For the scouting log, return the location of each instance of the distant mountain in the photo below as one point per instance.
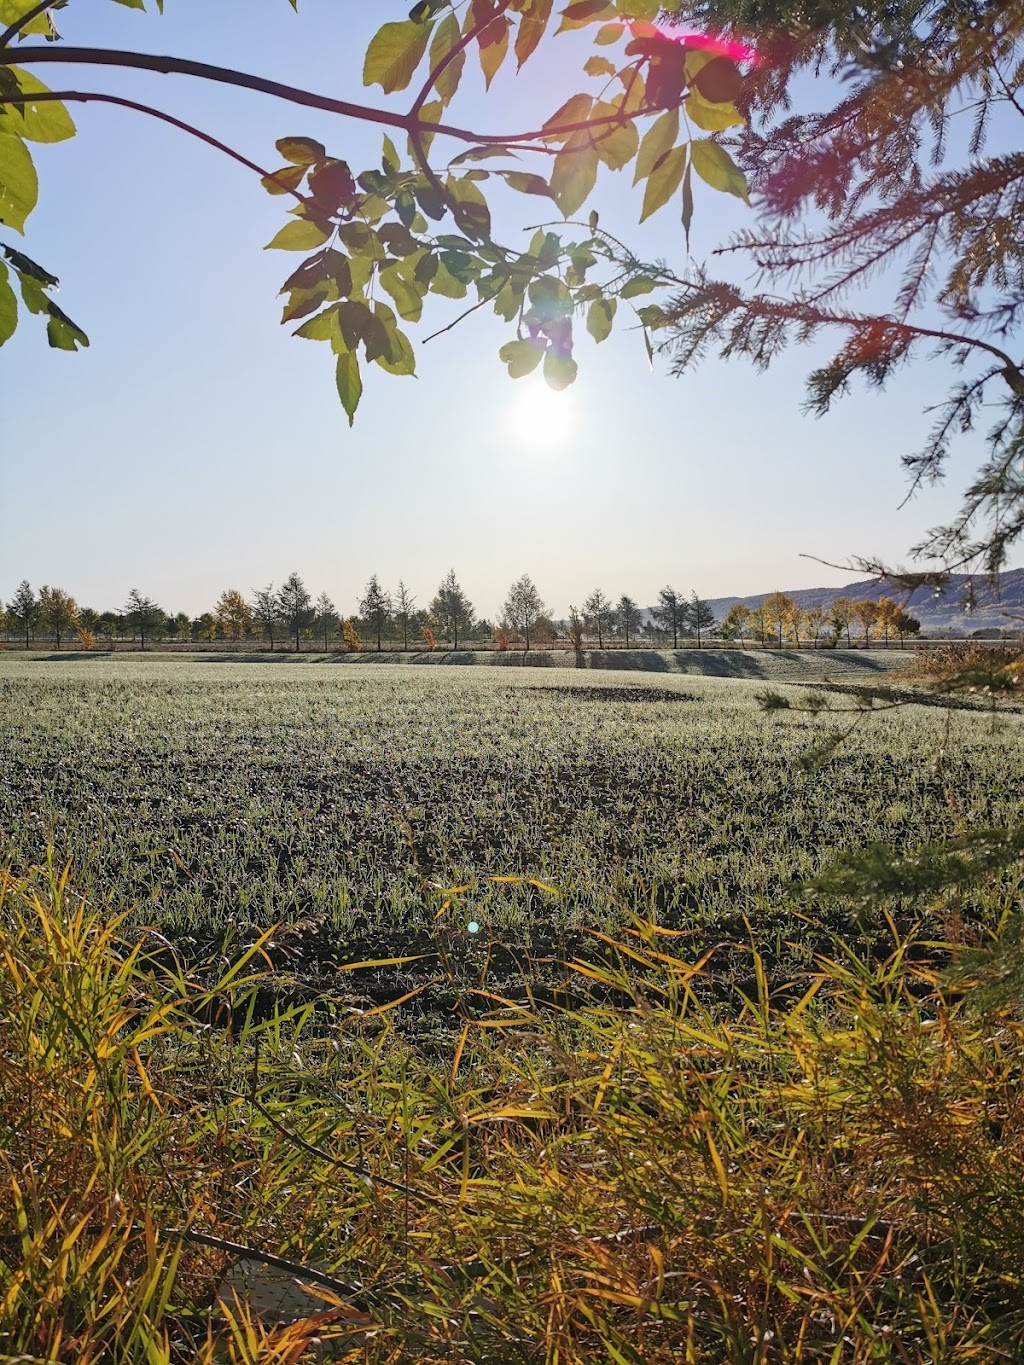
(939, 610)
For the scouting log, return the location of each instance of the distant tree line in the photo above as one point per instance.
(289, 617)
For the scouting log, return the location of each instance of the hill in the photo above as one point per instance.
(940, 610)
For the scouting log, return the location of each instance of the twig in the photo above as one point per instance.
(94, 97)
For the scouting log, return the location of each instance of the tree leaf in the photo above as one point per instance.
(402, 359)
(688, 202)
(639, 284)
(719, 81)
(663, 181)
(19, 187)
(610, 33)
(712, 118)
(716, 168)
(287, 178)
(559, 369)
(8, 306)
(599, 66)
(616, 143)
(394, 53)
(323, 327)
(62, 333)
(301, 151)
(350, 383)
(576, 109)
(493, 48)
(584, 12)
(47, 121)
(408, 299)
(532, 27)
(574, 173)
(299, 235)
(446, 35)
(660, 136)
(522, 356)
(527, 183)
(599, 318)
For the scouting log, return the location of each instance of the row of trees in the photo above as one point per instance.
(779, 619)
(291, 614)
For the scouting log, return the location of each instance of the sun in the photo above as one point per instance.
(541, 420)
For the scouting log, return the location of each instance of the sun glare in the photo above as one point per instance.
(542, 420)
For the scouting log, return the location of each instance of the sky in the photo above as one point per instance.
(198, 446)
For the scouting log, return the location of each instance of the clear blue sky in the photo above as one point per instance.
(198, 446)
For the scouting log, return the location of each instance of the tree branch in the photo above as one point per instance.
(293, 94)
(91, 97)
(9, 34)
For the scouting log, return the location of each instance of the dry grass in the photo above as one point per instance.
(833, 1173)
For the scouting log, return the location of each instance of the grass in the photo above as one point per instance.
(216, 801)
(687, 1110)
(832, 1174)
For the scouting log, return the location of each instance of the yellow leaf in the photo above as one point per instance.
(656, 142)
(663, 181)
(716, 168)
(574, 173)
(394, 53)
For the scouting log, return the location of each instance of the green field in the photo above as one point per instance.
(217, 797)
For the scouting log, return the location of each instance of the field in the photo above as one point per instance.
(216, 799)
(645, 1098)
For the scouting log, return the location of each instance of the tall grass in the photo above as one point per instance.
(669, 1171)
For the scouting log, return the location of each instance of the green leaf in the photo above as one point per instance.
(445, 283)
(609, 33)
(62, 333)
(599, 66)
(712, 118)
(19, 187)
(12, 10)
(716, 168)
(522, 356)
(574, 173)
(300, 235)
(287, 178)
(688, 202)
(350, 384)
(559, 369)
(644, 10)
(616, 143)
(408, 299)
(652, 315)
(576, 109)
(394, 53)
(640, 284)
(599, 318)
(663, 181)
(660, 136)
(527, 183)
(323, 327)
(584, 12)
(45, 121)
(390, 159)
(402, 359)
(8, 306)
(301, 151)
(446, 35)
